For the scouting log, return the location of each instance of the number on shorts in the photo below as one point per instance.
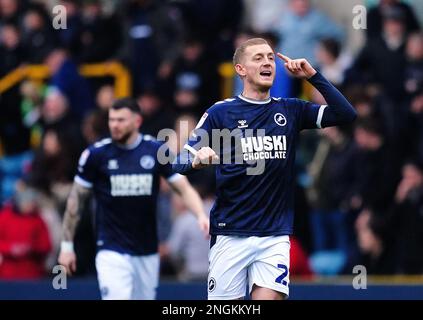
(281, 278)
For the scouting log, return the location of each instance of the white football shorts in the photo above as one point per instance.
(126, 277)
(263, 261)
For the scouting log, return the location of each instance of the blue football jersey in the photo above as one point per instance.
(125, 182)
(255, 182)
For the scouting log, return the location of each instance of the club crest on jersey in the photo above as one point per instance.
(147, 162)
(212, 284)
(242, 124)
(280, 119)
(112, 164)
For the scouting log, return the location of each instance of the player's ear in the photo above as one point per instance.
(139, 119)
(240, 70)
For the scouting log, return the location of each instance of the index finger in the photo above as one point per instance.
(191, 149)
(284, 58)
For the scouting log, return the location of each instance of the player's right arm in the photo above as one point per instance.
(81, 190)
(75, 204)
(197, 153)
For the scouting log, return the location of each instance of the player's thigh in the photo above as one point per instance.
(147, 270)
(115, 276)
(228, 261)
(270, 269)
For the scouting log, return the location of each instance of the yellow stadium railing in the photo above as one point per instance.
(38, 73)
(227, 73)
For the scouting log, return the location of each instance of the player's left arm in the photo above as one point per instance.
(192, 200)
(338, 111)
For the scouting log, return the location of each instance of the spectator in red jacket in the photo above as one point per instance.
(24, 239)
(300, 265)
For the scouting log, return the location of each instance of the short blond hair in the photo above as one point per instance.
(239, 52)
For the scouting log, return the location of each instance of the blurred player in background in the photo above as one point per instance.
(124, 173)
(252, 218)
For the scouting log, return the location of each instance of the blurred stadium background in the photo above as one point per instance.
(359, 189)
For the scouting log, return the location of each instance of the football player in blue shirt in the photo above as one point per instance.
(123, 172)
(252, 217)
